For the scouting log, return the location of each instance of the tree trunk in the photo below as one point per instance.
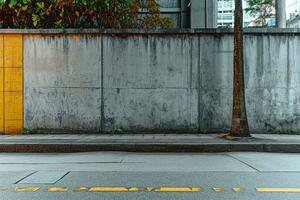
(239, 124)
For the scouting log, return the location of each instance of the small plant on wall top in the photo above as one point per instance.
(81, 14)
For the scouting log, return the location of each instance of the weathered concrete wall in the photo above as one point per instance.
(62, 83)
(176, 81)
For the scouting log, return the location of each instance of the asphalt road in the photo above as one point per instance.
(121, 175)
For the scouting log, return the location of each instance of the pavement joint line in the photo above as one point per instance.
(278, 190)
(25, 177)
(241, 161)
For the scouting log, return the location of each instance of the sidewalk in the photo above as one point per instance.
(147, 143)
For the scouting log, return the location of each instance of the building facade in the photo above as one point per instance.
(226, 14)
(293, 13)
(294, 23)
(293, 9)
(211, 13)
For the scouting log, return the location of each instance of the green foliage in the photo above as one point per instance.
(261, 10)
(81, 14)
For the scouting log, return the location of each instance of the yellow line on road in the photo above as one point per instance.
(27, 189)
(279, 190)
(149, 189)
(237, 189)
(217, 189)
(135, 189)
(178, 189)
(57, 189)
(108, 189)
(81, 189)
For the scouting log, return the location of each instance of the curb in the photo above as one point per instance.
(176, 148)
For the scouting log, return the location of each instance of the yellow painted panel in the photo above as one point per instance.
(13, 127)
(13, 79)
(1, 114)
(1, 79)
(2, 127)
(13, 39)
(1, 106)
(13, 105)
(13, 51)
(11, 83)
(1, 51)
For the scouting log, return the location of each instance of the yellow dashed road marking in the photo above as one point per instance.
(135, 189)
(196, 189)
(149, 189)
(178, 189)
(27, 189)
(216, 189)
(287, 190)
(236, 189)
(108, 189)
(81, 189)
(57, 189)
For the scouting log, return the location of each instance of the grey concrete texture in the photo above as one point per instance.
(247, 171)
(126, 32)
(44, 177)
(154, 82)
(50, 168)
(11, 177)
(247, 181)
(55, 166)
(145, 143)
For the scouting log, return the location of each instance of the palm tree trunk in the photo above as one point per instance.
(239, 126)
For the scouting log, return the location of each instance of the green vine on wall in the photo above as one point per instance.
(81, 14)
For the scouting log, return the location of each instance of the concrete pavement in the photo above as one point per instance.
(147, 143)
(125, 175)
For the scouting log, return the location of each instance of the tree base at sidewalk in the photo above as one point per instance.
(228, 136)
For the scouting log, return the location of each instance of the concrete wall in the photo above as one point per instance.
(179, 81)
